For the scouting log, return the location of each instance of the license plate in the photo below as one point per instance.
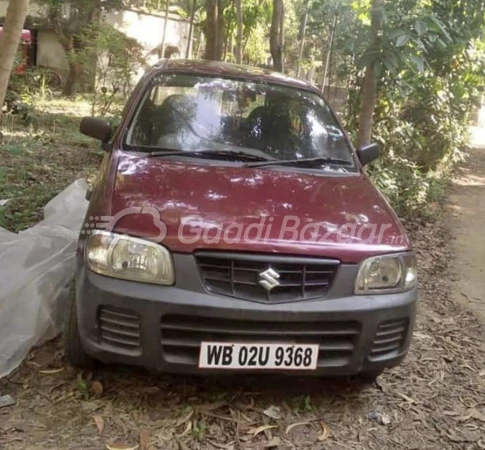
(250, 356)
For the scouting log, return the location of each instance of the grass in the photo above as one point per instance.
(39, 160)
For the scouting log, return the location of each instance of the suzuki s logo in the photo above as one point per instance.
(269, 279)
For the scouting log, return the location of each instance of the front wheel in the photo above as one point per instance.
(73, 349)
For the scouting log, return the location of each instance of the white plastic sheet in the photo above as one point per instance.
(35, 267)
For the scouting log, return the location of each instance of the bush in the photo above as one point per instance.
(422, 126)
(110, 59)
(408, 188)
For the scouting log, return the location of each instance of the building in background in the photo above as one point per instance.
(146, 28)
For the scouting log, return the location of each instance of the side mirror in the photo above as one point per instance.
(96, 128)
(368, 153)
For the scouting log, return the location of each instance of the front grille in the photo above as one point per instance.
(239, 275)
(389, 339)
(182, 335)
(119, 328)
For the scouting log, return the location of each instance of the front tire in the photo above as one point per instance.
(73, 349)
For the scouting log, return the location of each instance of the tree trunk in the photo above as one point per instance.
(164, 37)
(311, 72)
(227, 46)
(277, 36)
(239, 32)
(211, 30)
(326, 68)
(200, 44)
(9, 42)
(73, 82)
(188, 51)
(215, 30)
(69, 37)
(369, 87)
(302, 41)
(71, 47)
(221, 31)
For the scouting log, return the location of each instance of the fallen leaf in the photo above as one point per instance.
(99, 421)
(51, 371)
(294, 425)
(182, 446)
(476, 415)
(64, 397)
(246, 418)
(471, 435)
(122, 446)
(210, 407)
(417, 335)
(33, 364)
(464, 436)
(97, 388)
(187, 430)
(229, 446)
(405, 397)
(273, 442)
(464, 418)
(273, 411)
(145, 439)
(119, 421)
(185, 418)
(256, 431)
(325, 432)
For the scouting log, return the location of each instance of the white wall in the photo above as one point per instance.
(50, 52)
(147, 29)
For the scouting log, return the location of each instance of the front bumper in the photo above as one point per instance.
(160, 328)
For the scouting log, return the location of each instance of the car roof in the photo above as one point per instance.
(227, 70)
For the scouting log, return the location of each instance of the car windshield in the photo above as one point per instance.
(188, 113)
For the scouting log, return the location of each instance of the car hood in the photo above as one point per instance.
(192, 205)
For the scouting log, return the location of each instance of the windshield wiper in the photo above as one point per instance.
(237, 155)
(312, 162)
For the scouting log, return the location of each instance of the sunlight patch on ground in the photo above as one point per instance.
(477, 137)
(470, 180)
(456, 208)
(77, 108)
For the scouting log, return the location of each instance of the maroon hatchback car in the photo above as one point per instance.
(232, 228)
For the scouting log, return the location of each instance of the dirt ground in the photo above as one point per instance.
(39, 160)
(467, 203)
(435, 400)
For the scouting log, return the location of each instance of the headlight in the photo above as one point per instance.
(129, 258)
(388, 273)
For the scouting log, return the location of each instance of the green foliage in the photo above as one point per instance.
(112, 60)
(301, 404)
(256, 20)
(199, 429)
(430, 70)
(406, 186)
(36, 83)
